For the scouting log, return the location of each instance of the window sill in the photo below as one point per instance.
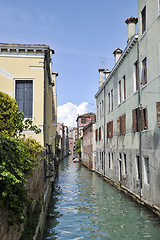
(143, 34)
(143, 86)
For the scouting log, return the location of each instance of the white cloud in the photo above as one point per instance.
(68, 112)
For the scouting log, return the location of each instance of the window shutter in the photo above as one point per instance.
(158, 113)
(111, 127)
(124, 124)
(134, 120)
(118, 126)
(96, 135)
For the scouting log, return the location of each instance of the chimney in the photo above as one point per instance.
(106, 73)
(117, 53)
(101, 76)
(131, 22)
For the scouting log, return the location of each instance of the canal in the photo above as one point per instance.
(84, 206)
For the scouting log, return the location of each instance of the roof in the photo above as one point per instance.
(86, 115)
(18, 45)
(116, 66)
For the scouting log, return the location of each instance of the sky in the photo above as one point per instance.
(83, 34)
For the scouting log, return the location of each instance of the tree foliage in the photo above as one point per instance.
(12, 120)
(18, 156)
(78, 147)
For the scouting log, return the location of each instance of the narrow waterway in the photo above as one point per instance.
(84, 206)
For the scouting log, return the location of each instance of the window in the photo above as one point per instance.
(102, 133)
(124, 88)
(109, 103)
(96, 135)
(121, 125)
(125, 164)
(135, 120)
(137, 168)
(24, 96)
(110, 129)
(120, 166)
(109, 160)
(99, 133)
(135, 76)
(119, 92)
(100, 110)
(144, 120)
(144, 71)
(97, 113)
(112, 162)
(158, 113)
(83, 120)
(143, 17)
(112, 99)
(146, 170)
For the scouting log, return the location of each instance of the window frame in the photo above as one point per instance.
(143, 21)
(146, 170)
(135, 76)
(26, 80)
(144, 77)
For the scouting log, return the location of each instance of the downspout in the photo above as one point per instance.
(104, 113)
(140, 119)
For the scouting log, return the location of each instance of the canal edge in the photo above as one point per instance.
(134, 197)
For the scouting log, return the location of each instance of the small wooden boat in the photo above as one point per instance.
(76, 160)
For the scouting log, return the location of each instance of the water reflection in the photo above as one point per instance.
(84, 206)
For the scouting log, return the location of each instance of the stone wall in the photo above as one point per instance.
(39, 191)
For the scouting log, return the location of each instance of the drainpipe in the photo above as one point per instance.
(104, 129)
(140, 130)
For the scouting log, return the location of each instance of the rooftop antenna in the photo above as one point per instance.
(102, 62)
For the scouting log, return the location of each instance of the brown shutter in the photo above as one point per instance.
(134, 120)
(118, 126)
(146, 118)
(111, 126)
(124, 124)
(107, 130)
(158, 113)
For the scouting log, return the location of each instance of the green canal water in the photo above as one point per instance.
(84, 206)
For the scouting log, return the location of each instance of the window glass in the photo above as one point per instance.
(144, 71)
(143, 16)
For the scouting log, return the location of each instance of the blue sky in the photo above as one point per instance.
(82, 33)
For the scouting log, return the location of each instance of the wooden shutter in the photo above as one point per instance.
(24, 97)
(158, 113)
(111, 129)
(124, 124)
(134, 120)
(118, 126)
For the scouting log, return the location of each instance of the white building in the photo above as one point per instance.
(128, 110)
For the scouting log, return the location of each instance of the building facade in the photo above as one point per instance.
(88, 146)
(128, 110)
(82, 121)
(26, 75)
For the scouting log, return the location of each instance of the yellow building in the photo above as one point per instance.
(26, 75)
